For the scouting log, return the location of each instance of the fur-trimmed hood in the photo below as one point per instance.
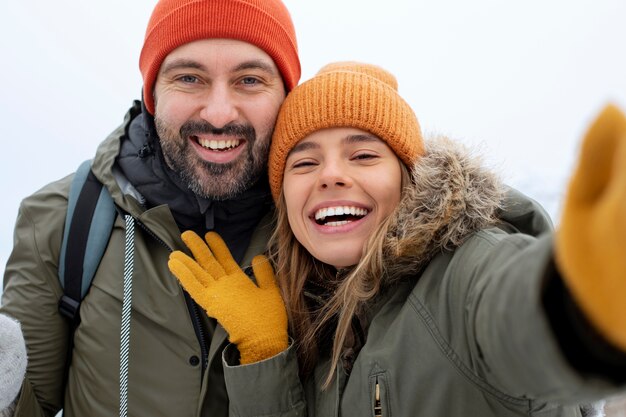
(450, 196)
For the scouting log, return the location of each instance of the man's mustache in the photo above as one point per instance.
(191, 128)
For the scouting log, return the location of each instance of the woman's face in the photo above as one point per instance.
(339, 185)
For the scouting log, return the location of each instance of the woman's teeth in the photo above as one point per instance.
(338, 216)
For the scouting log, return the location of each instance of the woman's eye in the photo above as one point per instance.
(303, 164)
(365, 156)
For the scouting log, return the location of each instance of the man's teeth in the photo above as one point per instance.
(321, 214)
(218, 144)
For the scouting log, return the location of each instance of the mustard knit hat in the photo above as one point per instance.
(263, 23)
(345, 94)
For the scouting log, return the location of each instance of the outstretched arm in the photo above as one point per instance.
(556, 303)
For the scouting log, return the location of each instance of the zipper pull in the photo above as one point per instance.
(378, 409)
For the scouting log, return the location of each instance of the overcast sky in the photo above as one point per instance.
(519, 79)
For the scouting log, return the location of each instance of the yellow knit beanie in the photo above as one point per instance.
(345, 94)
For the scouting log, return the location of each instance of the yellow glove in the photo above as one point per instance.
(254, 316)
(591, 241)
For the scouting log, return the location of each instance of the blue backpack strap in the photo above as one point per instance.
(88, 225)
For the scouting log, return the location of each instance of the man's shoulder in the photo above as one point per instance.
(52, 194)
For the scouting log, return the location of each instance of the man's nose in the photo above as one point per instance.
(220, 107)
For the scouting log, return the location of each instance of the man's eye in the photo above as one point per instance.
(250, 81)
(189, 79)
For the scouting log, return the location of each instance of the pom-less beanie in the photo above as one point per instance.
(345, 94)
(263, 23)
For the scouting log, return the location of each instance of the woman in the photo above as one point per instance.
(414, 283)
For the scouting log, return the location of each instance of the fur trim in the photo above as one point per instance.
(451, 195)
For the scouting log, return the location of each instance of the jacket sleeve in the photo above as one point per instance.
(31, 294)
(583, 345)
(511, 332)
(269, 388)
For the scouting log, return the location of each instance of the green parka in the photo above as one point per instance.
(459, 330)
(166, 376)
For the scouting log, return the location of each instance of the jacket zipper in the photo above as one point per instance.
(192, 307)
(378, 409)
(194, 313)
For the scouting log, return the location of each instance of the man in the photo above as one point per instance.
(191, 155)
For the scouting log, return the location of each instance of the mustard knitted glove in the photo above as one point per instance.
(591, 241)
(253, 315)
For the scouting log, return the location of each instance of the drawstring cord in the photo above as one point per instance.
(129, 254)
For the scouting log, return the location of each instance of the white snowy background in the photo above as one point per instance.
(520, 80)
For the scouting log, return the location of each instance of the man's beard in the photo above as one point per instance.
(208, 179)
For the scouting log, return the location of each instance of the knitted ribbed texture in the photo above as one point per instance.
(345, 94)
(368, 69)
(12, 360)
(263, 23)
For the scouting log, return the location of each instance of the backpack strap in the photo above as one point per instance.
(88, 225)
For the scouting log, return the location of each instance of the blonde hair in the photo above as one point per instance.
(295, 266)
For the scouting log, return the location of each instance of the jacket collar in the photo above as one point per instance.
(451, 196)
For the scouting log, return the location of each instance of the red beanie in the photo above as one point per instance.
(263, 23)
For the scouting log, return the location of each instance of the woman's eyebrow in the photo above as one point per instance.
(303, 146)
(350, 139)
(358, 138)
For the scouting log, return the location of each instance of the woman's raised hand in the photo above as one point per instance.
(254, 315)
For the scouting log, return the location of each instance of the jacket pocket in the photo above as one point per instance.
(379, 396)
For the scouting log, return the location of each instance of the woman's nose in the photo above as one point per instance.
(337, 183)
(334, 175)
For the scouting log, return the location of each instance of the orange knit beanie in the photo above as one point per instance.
(345, 94)
(263, 23)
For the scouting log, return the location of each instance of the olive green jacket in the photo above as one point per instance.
(459, 329)
(165, 373)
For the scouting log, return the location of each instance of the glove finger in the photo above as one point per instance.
(617, 187)
(263, 272)
(188, 280)
(194, 268)
(597, 158)
(222, 253)
(203, 254)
